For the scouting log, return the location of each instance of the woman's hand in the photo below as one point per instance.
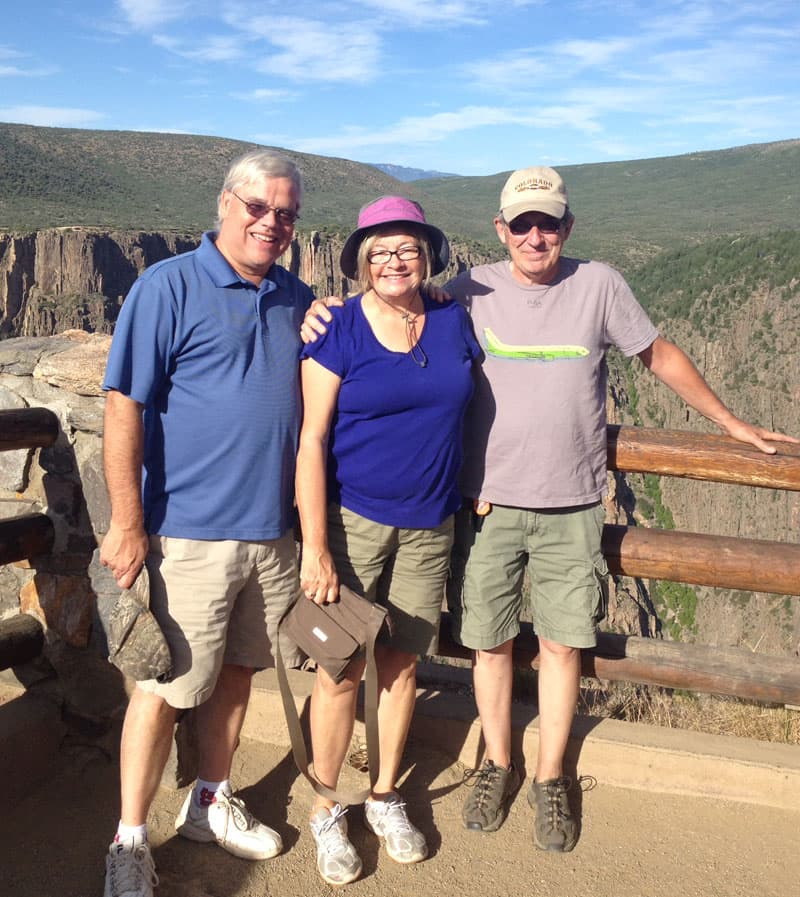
(318, 578)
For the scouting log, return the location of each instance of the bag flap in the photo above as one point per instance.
(316, 630)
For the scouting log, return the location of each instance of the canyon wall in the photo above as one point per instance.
(76, 278)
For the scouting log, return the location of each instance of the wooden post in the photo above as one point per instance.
(21, 640)
(25, 537)
(27, 428)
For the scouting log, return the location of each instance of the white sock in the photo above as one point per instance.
(135, 833)
(205, 791)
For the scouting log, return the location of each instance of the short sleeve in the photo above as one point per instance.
(332, 349)
(628, 325)
(139, 359)
(473, 346)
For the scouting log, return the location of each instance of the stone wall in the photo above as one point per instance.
(64, 590)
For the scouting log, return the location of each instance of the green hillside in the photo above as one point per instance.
(626, 211)
(140, 181)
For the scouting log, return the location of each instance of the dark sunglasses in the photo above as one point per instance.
(546, 225)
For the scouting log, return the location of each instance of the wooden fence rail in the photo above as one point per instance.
(628, 658)
(22, 636)
(22, 428)
(702, 456)
(749, 564)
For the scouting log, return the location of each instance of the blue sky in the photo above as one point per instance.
(472, 87)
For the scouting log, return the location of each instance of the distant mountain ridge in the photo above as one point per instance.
(405, 174)
(627, 212)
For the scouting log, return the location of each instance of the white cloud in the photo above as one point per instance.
(11, 65)
(146, 14)
(591, 53)
(265, 94)
(50, 116)
(309, 50)
(424, 12)
(419, 130)
(212, 49)
(17, 72)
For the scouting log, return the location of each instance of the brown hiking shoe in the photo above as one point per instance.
(554, 828)
(487, 805)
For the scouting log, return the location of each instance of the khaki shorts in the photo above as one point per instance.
(218, 602)
(405, 570)
(567, 571)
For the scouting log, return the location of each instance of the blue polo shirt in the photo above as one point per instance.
(214, 360)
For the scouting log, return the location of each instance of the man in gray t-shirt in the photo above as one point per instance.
(535, 473)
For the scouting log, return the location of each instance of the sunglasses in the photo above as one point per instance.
(545, 225)
(258, 209)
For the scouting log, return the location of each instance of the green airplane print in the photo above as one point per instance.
(500, 349)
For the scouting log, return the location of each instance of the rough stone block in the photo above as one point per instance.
(62, 603)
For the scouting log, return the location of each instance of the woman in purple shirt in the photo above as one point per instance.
(384, 391)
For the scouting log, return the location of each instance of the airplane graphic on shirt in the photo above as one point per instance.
(497, 348)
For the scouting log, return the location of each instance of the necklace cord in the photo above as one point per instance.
(415, 350)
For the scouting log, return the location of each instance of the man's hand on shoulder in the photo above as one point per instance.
(317, 316)
(438, 294)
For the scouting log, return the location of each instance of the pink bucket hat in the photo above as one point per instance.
(392, 210)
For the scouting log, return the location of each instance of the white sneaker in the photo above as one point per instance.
(130, 870)
(337, 860)
(228, 822)
(388, 819)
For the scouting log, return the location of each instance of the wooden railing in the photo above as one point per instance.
(24, 537)
(748, 564)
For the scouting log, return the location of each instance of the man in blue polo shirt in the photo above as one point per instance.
(202, 414)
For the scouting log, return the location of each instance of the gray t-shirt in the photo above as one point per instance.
(535, 431)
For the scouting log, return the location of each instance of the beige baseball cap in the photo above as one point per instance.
(537, 189)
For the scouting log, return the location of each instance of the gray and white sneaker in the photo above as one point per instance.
(130, 870)
(389, 820)
(228, 822)
(337, 860)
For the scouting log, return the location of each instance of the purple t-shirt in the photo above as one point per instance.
(535, 431)
(395, 442)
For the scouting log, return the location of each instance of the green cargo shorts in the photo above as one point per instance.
(405, 570)
(568, 574)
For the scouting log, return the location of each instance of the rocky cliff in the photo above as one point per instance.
(76, 278)
(63, 278)
(744, 342)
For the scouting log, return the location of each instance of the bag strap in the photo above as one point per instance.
(345, 798)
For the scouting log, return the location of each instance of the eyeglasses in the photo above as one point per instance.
(404, 254)
(546, 225)
(258, 209)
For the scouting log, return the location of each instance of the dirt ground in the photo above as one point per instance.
(632, 844)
